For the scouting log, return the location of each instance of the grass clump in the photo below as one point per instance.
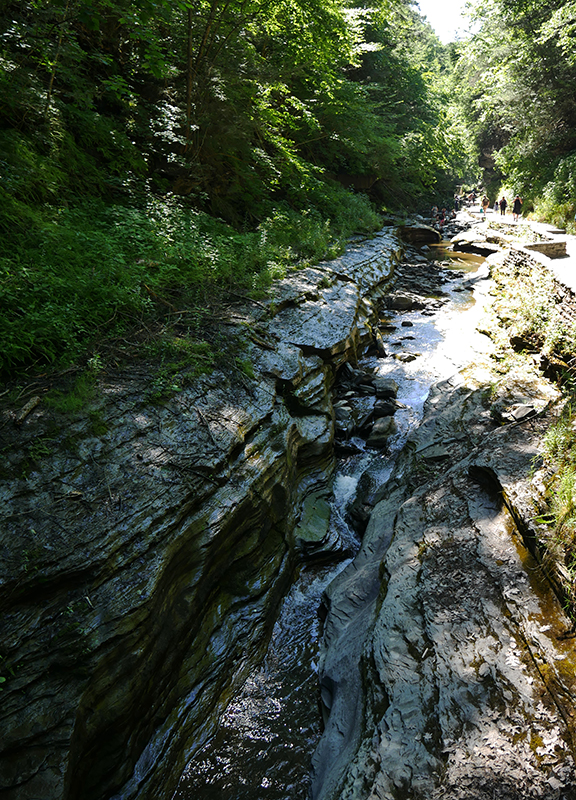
(76, 398)
(560, 516)
(95, 270)
(179, 359)
(557, 201)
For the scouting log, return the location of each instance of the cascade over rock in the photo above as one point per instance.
(147, 546)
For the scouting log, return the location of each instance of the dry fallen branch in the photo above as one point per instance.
(30, 406)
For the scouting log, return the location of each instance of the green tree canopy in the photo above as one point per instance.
(261, 114)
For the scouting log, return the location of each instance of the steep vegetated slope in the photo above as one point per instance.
(157, 154)
(513, 78)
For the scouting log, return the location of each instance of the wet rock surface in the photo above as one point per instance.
(147, 544)
(420, 233)
(494, 234)
(366, 401)
(446, 672)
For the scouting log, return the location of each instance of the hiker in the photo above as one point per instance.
(496, 206)
(434, 212)
(517, 207)
(503, 205)
(485, 204)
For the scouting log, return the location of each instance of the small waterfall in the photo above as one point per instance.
(266, 737)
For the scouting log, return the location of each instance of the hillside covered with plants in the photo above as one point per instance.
(157, 156)
(515, 79)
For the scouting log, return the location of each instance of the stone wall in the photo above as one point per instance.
(550, 249)
(566, 304)
(563, 297)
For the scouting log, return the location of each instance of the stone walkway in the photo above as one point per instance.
(564, 269)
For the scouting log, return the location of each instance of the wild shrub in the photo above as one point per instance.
(560, 540)
(93, 270)
(526, 303)
(558, 201)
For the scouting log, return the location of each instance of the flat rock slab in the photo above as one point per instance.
(419, 233)
(367, 262)
(457, 649)
(318, 324)
(313, 309)
(551, 249)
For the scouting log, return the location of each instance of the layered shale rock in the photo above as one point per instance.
(449, 665)
(419, 233)
(146, 545)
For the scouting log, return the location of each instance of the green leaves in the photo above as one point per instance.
(514, 74)
(251, 110)
(94, 271)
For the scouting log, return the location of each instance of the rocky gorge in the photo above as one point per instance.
(147, 545)
(448, 664)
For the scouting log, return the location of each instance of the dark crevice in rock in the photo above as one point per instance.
(296, 406)
(39, 588)
(485, 476)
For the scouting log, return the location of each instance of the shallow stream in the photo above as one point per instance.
(263, 748)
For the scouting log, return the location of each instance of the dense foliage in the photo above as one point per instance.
(157, 152)
(514, 77)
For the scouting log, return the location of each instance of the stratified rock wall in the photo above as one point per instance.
(145, 548)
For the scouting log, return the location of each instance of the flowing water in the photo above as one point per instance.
(263, 748)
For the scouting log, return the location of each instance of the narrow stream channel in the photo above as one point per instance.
(263, 748)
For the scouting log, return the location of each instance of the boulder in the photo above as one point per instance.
(384, 408)
(402, 302)
(382, 430)
(311, 534)
(419, 234)
(343, 412)
(406, 358)
(385, 387)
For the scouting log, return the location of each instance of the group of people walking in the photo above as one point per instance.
(441, 216)
(499, 205)
(502, 204)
